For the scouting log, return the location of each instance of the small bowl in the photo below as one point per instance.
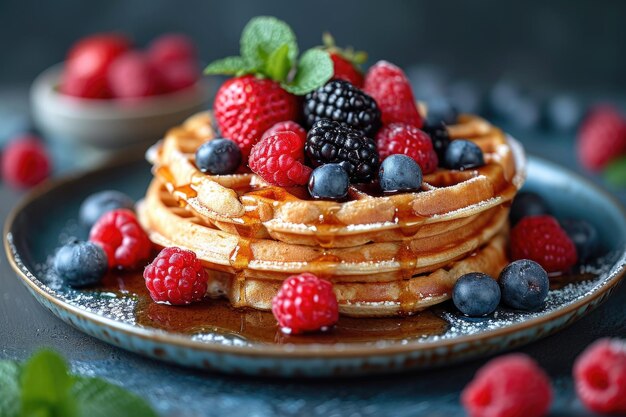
(109, 124)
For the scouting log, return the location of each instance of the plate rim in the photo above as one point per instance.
(287, 350)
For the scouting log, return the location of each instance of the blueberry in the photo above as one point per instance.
(441, 110)
(476, 294)
(80, 264)
(585, 238)
(524, 285)
(218, 157)
(525, 204)
(463, 154)
(564, 112)
(329, 181)
(399, 173)
(94, 206)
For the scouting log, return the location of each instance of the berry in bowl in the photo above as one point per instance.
(110, 95)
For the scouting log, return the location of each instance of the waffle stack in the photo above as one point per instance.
(385, 255)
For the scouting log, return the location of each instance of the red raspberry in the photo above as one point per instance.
(407, 140)
(345, 70)
(286, 126)
(247, 106)
(601, 137)
(122, 238)
(600, 375)
(305, 303)
(176, 276)
(172, 47)
(25, 162)
(508, 386)
(541, 239)
(175, 76)
(279, 160)
(132, 76)
(392, 91)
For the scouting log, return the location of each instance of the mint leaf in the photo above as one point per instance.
(278, 64)
(46, 384)
(615, 173)
(262, 36)
(314, 69)
(232, 65)
(98, 398)
(9, 389)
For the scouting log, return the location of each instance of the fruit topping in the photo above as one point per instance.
(476, 294)
(25, 162)
(329, 181)
(279, 159)
(176, 276)
(401, 138)
(463, 154)
(120, 235)
(508, 386)
(345, 62)
(331, 142)
(541, 239)
(94, 206)
(601, 137)
(389, 86)
(80, 264)
(584, 236)
(399, 173)
(524, 285)
(440, 138)
(527, 203)
(305, 303)
(342, 102)
(218, 157)
(245, 107)
(286, 126)
(600, 376)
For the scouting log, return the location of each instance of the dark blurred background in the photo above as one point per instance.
(555, 45)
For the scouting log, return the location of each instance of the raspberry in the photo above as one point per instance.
(131, 76)
(176, 76)
(122, 238)
(247, 106)
(600, 375)
(345, 70)
(508, 386)
(279, 159)
(541, 239)
(172, 47)
(389, 86)
(401, 138)
(601, 137)
(286, 126)
(305, 303)
(176, 276)
(25, 162)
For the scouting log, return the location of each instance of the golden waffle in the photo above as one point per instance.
(374, 294)
(243, 204)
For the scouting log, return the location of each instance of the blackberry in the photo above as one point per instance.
(342, 102)
(439, 136)
(330, 142)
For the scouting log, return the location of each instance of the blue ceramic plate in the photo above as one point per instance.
(215, 337)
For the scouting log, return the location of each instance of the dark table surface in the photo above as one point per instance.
(25, 326)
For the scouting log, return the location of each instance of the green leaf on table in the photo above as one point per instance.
(98, 398)
(232, 65)
(278, 64)
(9, 389)
(314, 69)
(615, 172)
(46, 384)
(262, 36)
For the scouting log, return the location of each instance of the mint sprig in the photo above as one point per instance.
(268, 49)
(43, 386)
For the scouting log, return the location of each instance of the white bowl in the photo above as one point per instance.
(109, 124)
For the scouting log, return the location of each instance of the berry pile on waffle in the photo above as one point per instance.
(309, 169)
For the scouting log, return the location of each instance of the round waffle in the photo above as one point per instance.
(244, 205)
